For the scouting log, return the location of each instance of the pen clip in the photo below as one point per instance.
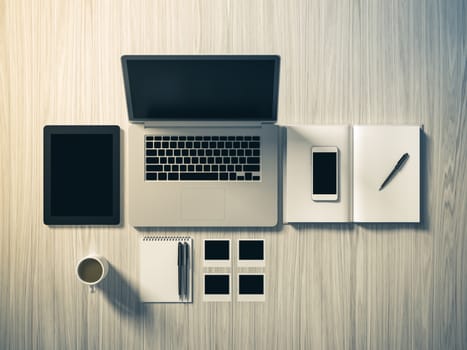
(179, 262)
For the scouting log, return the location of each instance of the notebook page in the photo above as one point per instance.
(377, 150)
(159, 269)
(298, 204)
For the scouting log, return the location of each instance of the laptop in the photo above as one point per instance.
(203, 144)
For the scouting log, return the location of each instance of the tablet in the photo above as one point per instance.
(81, 175)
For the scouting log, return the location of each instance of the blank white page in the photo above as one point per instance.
(159, 269)
(299, 206)
(377, 149)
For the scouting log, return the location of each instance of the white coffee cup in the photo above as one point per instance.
(91, 270)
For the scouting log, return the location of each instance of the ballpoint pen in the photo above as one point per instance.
(183, 271)
(398, 166)
(180, 268)
(187, 268)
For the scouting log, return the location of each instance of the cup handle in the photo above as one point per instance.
(92, 289)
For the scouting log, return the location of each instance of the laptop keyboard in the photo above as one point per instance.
(202, 158)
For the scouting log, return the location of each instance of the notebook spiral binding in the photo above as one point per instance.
(165, 238)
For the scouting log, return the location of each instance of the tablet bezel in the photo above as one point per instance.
(49, 131)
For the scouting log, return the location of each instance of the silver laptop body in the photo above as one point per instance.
(203, 144)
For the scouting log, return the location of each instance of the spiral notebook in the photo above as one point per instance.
(158, 276)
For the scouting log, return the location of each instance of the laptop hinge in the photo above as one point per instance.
(203, 124)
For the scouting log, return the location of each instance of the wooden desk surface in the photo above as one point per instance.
(328, 286)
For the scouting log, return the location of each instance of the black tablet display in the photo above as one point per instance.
(81, 175)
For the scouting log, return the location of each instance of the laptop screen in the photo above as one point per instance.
(188, 88)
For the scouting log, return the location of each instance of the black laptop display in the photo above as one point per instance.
(239, 88)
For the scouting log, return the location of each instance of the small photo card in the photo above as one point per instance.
(217, 252)
(217, 287)
(250, 253)
(251, 287)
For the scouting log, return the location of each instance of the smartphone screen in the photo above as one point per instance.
(324, 173)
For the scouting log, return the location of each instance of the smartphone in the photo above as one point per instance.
(325, 171)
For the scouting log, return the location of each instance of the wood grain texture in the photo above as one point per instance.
(376, 286)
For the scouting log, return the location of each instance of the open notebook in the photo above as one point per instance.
(367, 154)
(158, 269)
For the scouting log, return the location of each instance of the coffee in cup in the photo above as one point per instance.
(91, 270)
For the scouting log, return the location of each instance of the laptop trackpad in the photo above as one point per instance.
(203, 204)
